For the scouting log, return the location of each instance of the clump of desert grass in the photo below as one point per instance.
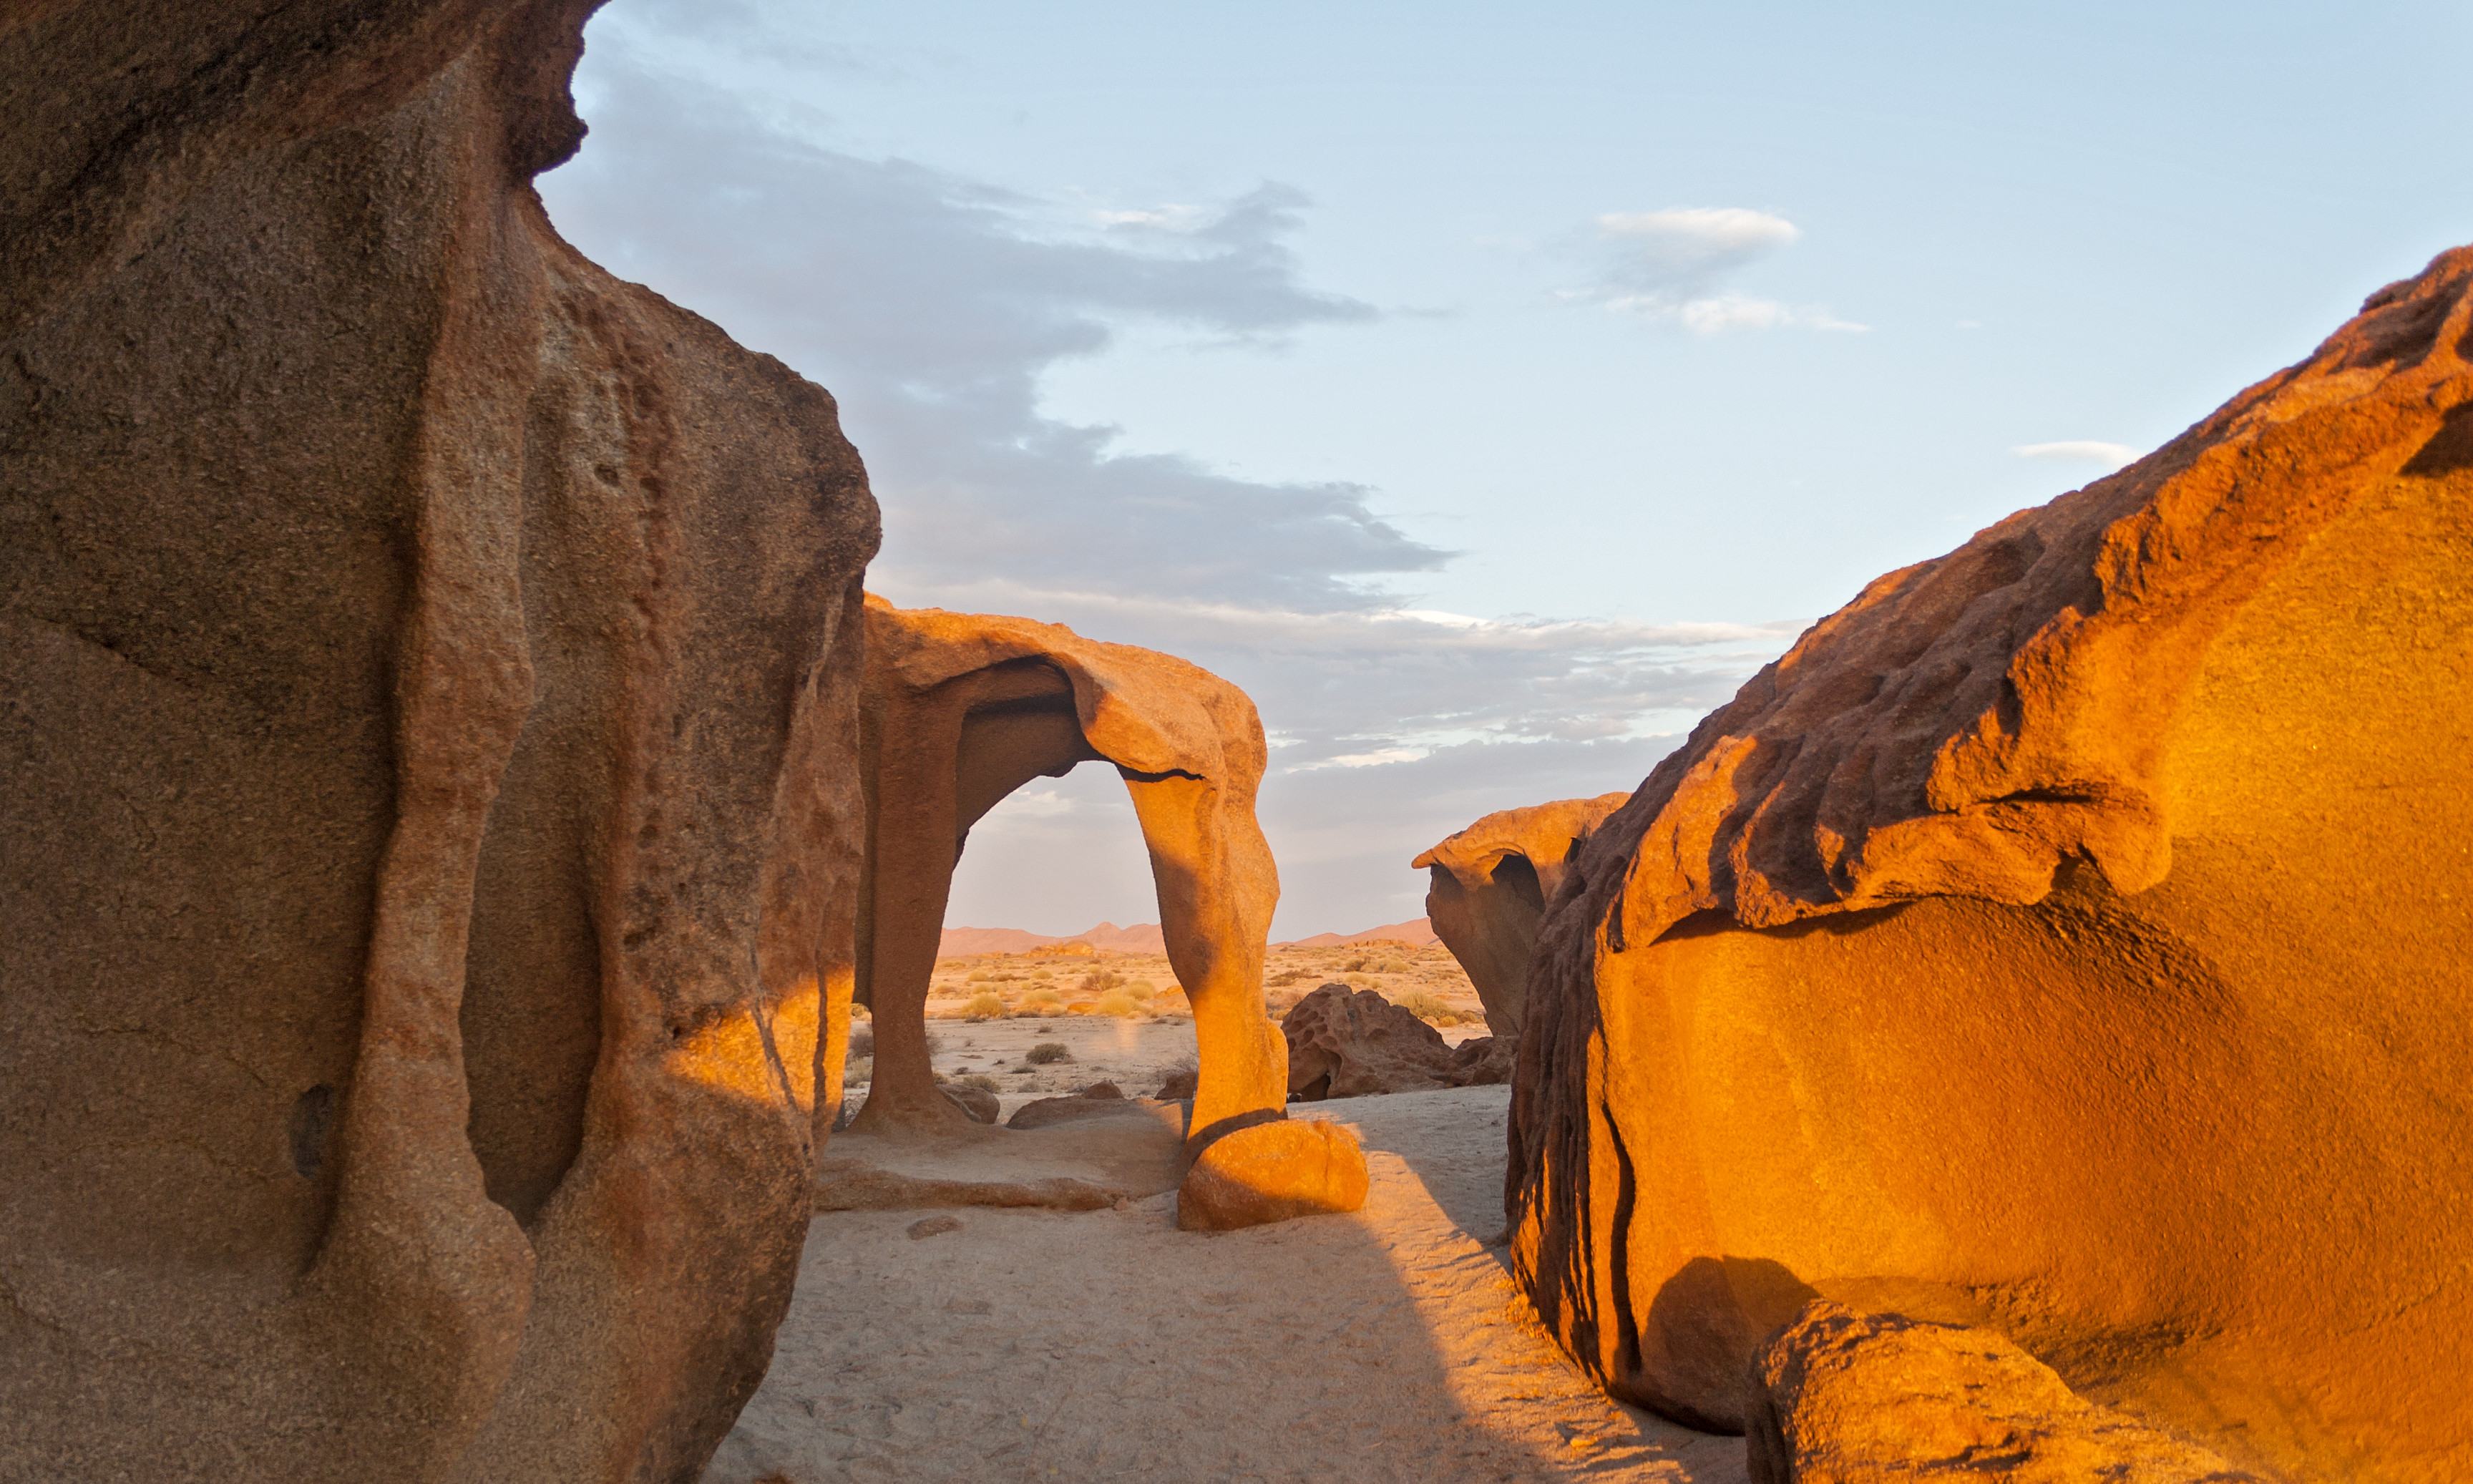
(1048, 1053)
(1039, 1003)
(985, 1005)
(979, 1080)
(862, 1043)
(1430, 1006)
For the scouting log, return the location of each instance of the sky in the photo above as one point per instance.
(1487, 389)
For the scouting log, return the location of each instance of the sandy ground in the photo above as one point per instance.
(1384, 1344)
(1137, 1042)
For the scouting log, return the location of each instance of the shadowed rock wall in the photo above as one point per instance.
(1488, 888)
(428, 802)
(2070, 935)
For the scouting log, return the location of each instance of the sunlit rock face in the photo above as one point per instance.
(962, 709)
(2069, 936)
(1488, 890)
(1841, 1398)
(428, 788)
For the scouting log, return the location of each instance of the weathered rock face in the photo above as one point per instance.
(2070, 934)
(1489, 888)
(1096, 1101)
(1840, 1398)
(964, 708)
(1273, 1172)
(428, 802)
(978, 1103)
(1345, 1043)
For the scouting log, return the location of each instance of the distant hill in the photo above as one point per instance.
(1107, 937)
(1144, 938)
(1416, 933)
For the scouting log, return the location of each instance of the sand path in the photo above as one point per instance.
(1108, 1345)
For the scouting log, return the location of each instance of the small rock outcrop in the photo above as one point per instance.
(2072, 926)
(1487, 891)
(1098, 1100)
(1270, 1172)
(429, 813)
(982, 1105)
(1841, 1398)
(1350, 1042)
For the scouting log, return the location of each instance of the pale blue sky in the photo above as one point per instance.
(1379, 282)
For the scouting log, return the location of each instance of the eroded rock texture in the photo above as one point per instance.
(962, 709)
(1488, 890)
(1347, 1042)
(428, 802)
(1841, 1398)
(2068, 935)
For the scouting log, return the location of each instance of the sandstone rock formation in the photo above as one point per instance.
(1269, 1172)
(1488, 889)
(1096, 1101)
(1345, 1043)
(429, 792)
(978, 1103)
(2068, 935)
(964, 708)
(1840, 1398)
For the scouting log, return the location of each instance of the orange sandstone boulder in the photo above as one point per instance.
(1840, 1398)
(1272, 1171)
(1490, 884)
(429, 814)
(2070, 935)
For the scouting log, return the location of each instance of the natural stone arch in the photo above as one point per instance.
(962, 709)
(1489, 889)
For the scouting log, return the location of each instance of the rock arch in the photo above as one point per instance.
(1489, 888)
(962, 709)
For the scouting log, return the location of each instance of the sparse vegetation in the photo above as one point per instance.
(985, 1005)
(1099, 981)
(860, 1074)
(1118, 1005)
(980, 1080)
(1429, 1007)
(1041, 1002)
(862, 1043)
(1048, 1053)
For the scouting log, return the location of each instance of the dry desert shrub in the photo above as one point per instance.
(1429, 1007)
(979, 1080)
(1048, 1053)
(985, 1005)
(1099, 981)
(862, 1043)
(860, 1072)
(1041, 1002)
(1119, 1005)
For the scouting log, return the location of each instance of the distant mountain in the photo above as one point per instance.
(1144, 938)
(1416, 933)
(1107, 938)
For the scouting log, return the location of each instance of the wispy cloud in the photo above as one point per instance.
(933, 304)
(2080, 450)
(1670, 265)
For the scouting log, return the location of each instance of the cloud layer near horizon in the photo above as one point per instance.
(931, 305)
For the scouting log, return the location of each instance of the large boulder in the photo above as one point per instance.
(1350, 1042)
(428, 791)
(1275, 1171)
(1487, 889)
(2070, 930)
(1841, 1398)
